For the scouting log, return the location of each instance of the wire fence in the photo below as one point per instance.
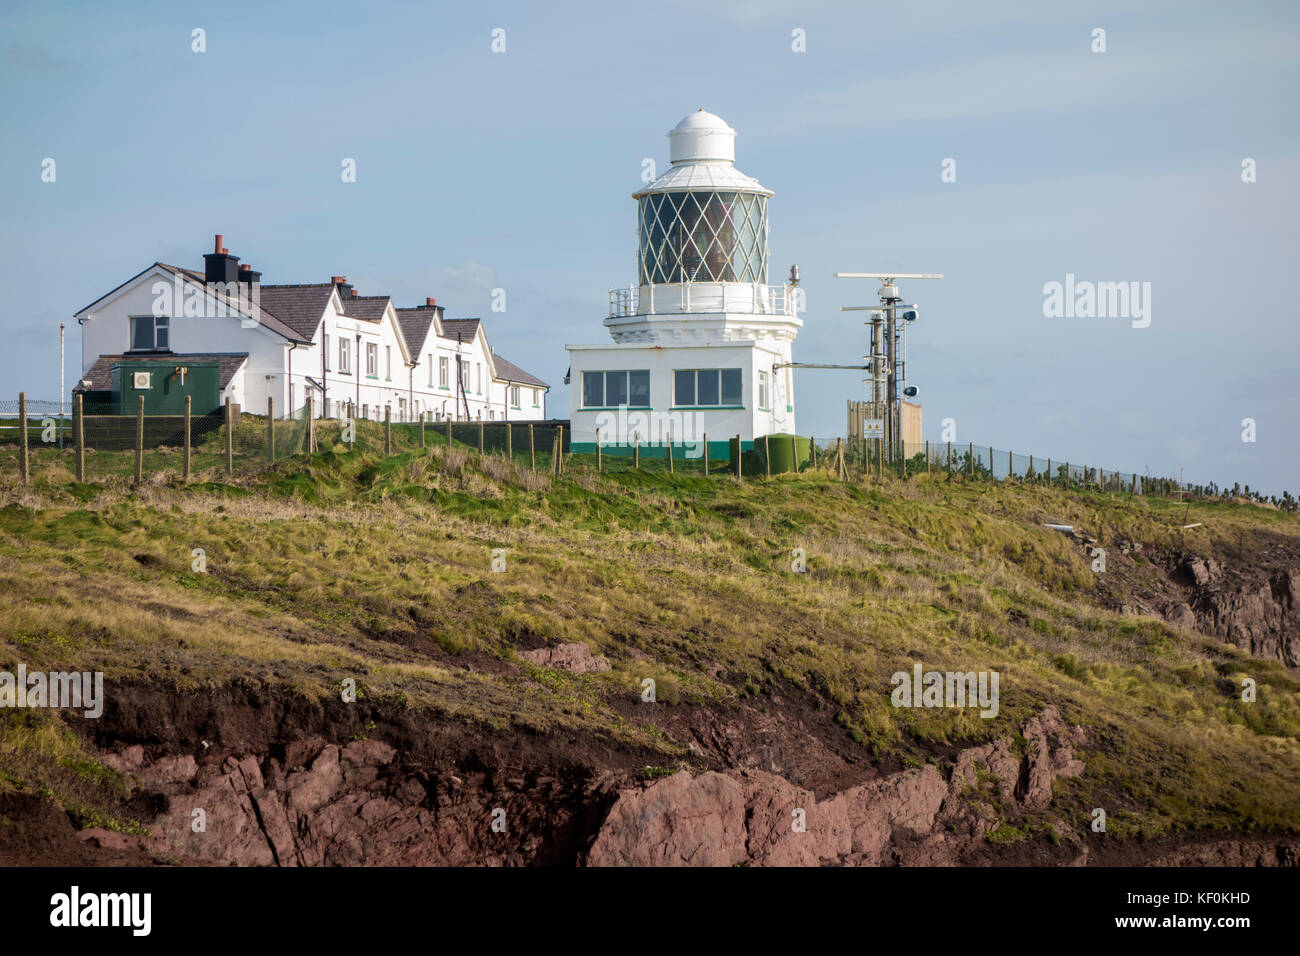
(135, 448)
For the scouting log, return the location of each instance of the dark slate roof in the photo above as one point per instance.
(263, 316)
(510, 372)
(466, 327)
(367, 307)
(101, 379)
(301, 307)
(415, 325)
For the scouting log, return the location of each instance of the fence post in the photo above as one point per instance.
(670, 452)
(636, 451)
(1010, 464)
(388, 429)
(311, 426)
(423, 415)
(950, 458)
(24, 462)
(767, 456)
(555, 454)
(532, 449)
(230, 439)
(971, 453)
(449, 434)
(599, 462)
(812, 450)
(480, 437)
(927, 456)
(1049, 471)
(270, 427)
(1031, 466)
(139, 439)
(739, 476)
(992, 475)
(1067, 474)
(81, 437)
(185, 470)
(510, 442)
(559, 436)
(706, 454)
(839, 458)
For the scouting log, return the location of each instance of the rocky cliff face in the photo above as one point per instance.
(357, 804)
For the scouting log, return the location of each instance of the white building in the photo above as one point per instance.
(701, 344)
(287, 341)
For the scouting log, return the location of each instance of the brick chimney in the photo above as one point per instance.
(344, 287)
(430, 301)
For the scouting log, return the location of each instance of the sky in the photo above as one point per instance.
(479, 170)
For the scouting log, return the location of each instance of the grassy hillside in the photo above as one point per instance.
(348, 564)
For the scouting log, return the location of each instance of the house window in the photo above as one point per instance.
(388, 363)
(762, 390)
(372, 360)
(430, 358)
(514, 396)
(149, 333)
(442, 372)
(325, 352)
(345, 357)
(464, 373)
(478, 378)
(534, 398)
(707, 387)
(401, 409)
(612, 389)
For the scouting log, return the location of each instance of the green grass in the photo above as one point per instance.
(347, 563)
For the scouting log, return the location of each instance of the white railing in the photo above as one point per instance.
(742, 297)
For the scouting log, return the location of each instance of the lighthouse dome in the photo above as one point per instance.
(702, 137)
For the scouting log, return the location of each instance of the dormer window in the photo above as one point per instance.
(149, 333)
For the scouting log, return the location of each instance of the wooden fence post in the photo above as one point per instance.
(185, 468)
(1049, 471)
(739, 476)
(949, 457)
(599, 462)
(510, 442)
(532, 449)
(388, 429)
(449, 434)
(81, 437)
(139, 439)
(706, 454)
(670, 452)
(636, 451)
(1011, 465)
(927, 456)
(480, 437)
(311, 427)
(970, 453)
(270, 427)
(423, 415)
(230, 439)
(767, 456)
(839, 459)
(559, 435)
(24, 459)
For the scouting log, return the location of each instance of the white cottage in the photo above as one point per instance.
(702, 343)
(284, 342)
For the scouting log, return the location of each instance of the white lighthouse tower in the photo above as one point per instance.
(701, 343)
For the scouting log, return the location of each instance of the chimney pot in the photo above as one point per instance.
(217, 247)
(430, 300)
(338, 280)
(354, 293)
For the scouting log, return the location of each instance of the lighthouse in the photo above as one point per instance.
(701, 342)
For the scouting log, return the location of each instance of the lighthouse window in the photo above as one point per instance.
(612, 389)
(703, 237)
(707, 387)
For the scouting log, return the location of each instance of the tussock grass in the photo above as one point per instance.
(350, 564)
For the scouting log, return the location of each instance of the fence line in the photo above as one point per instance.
(97, 444)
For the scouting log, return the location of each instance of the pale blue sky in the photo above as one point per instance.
(479, 170)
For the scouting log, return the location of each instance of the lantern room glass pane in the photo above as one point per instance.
(702, 236)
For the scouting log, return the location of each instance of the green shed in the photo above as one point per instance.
(164, 386)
